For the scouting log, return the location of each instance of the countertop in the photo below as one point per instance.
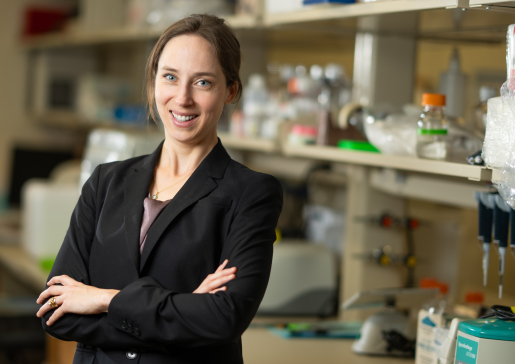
(261, 346)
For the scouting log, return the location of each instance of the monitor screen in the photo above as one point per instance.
(32, 163)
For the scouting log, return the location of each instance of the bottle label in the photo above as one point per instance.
(431, 131)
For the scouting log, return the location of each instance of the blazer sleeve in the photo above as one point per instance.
(192, 320)
(73, 260)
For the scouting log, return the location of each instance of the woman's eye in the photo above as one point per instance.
(204, 83)
(170, 77)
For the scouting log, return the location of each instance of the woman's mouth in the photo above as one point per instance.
(183, 118)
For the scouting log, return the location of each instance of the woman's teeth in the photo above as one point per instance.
(183, 118)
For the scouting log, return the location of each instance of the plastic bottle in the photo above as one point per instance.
(453, 84)
(255, 99)
(432, 128)
(438, 305)
(480, 112)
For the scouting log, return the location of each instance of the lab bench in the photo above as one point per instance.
(261, 346)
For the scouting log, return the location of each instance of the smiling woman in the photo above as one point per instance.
(168, 255)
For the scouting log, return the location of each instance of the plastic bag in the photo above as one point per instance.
(396, 134)
(503, 114)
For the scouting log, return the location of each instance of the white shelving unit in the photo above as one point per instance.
(501, 4)
(333, 154)
(249, 144)
(444, 168)
(330, 11)
(70, 39)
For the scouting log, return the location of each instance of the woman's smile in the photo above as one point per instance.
(183, 120)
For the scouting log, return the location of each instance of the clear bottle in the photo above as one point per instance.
(255, 99)
(480, 112)
(432, 128)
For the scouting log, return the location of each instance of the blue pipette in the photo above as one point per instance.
(512, 235)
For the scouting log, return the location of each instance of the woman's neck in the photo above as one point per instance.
(180, 158)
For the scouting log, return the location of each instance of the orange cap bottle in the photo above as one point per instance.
(433, 99)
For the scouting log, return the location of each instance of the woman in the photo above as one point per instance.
(130, 286)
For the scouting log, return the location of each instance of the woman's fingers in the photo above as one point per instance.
(47, 306)
(224, 288)
(58, 313)
(216, 283)
(222, 266)
(50, 292)
(224, 272)
(217, 279)
(64, 280)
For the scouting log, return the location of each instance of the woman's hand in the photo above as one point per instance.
(215, 282)
(74, 297)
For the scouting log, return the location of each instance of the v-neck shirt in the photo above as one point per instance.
(151, 210)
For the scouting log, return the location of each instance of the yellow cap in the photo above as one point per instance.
(433, 99)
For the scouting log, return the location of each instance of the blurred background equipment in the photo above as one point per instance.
(389, 332)
(303, 281)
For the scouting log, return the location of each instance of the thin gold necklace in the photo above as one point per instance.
(154, 197)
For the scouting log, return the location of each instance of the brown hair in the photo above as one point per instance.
(212, 29)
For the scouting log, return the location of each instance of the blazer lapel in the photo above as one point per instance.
(136, 186)
(199, 185)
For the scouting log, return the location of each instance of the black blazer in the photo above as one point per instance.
(224, 211)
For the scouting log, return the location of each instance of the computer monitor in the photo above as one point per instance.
(30, 163)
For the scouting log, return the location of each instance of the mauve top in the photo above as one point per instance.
(152, 209)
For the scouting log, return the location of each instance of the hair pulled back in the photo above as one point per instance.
(212, 29)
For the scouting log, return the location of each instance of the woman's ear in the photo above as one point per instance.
(231, 93)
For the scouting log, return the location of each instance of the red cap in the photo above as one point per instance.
(474, 297)
(429, 282)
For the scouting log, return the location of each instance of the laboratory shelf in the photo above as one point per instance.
(333, 11)
(77, 38)
(250, 144)
(443, 168)
(492, 3)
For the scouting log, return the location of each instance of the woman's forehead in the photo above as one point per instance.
(189, 53)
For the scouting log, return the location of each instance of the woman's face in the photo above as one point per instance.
(190, 89)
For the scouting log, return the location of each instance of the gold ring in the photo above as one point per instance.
(53, 303)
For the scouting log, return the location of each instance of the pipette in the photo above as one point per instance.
(485, 217)
(501, 223)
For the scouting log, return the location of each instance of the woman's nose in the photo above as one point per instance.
(184, 97)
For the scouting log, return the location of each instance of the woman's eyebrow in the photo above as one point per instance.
(202, 73)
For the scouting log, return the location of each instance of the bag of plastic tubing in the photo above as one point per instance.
(499, 144)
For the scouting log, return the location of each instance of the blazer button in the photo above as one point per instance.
(137, 332)
(124, 325)
(129, 328)
(131, 355)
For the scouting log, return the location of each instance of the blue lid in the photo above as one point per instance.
(491, 328)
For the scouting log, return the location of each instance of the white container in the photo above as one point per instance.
(106, 146)
(282, 6)
(47, 208)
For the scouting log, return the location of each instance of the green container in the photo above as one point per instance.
(491, 328)
(357, 145)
